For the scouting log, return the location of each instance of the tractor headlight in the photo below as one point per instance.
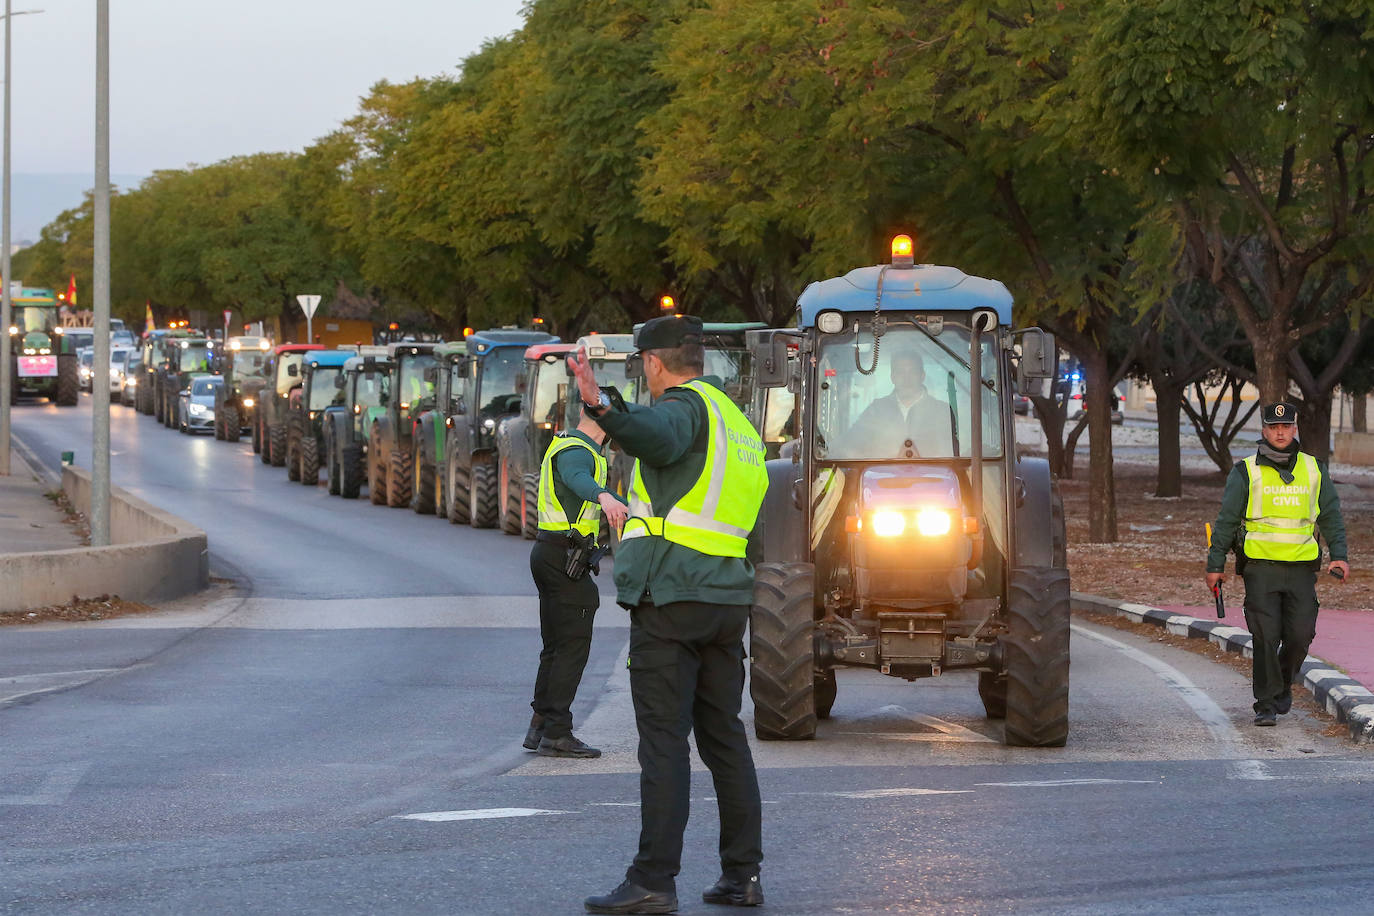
(888, 524)
(830, 322)
(247, 402)
(933, 522)
(489, 424)
(131, 381)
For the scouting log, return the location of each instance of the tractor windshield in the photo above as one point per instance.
(324, 391)
(194, 358)
(33, 318)
(250, 362)
(285, 380)
(546, 401)
(500, 372)
(912, 401)
(412, 382)
(372, 392)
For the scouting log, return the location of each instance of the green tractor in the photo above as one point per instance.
(390, 445)
(491, 376)
(43, 363)
(283, 373)
(367, 389)
(243, 364)
(322, 387)
(154, 351)
(428, 494)
(522, 440)
(181, 359)
(902, 532)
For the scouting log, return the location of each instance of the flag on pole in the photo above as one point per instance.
(71, 291)
(148, 323)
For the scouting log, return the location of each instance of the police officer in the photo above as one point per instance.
(682, 571)
(572, 496)
(1274, 502)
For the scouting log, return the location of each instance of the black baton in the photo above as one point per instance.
(1221, 604)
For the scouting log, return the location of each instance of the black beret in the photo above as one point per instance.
(668, 331)
(1280, 412)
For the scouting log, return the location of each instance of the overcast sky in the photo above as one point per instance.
(197, 81)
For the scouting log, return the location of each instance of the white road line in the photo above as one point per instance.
(1206, 709)
(65, 680)
(886, 793)
(475, 814)
(1049, 783)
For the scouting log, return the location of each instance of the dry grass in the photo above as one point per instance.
(78, 609)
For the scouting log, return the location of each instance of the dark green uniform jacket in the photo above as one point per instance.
(1230, 523)
(574, 476)
(670, 439)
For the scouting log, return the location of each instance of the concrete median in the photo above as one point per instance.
(154, 556)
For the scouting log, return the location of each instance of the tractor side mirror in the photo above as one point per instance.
(634, 366)
(340, 380)
(432, 375)
(769, 351)
(1039, 357)
(293, 370)
(370, 367)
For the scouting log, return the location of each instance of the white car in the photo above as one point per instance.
(85, 367)
(119, 362)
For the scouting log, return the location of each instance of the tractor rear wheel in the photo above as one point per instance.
(440, 493)
(310, 460)
(482, 496)
(233, 428)
(992, 690)
(276, 445)
(376, 475)
(458, 485)
(398, 474)
(350, 473)
(1036, 648)
(422, 495)
(219, 424)
(529, 506)
(68, 381)
(333, 468)
(293, 453)
(782, 657)
(510, 514)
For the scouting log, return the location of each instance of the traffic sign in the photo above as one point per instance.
(308, 304)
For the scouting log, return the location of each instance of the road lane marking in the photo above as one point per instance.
(886, 793)
(475, 814)
(1049, 783)
(1203, 706)
(942, 730)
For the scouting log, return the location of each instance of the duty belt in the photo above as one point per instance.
(553, 537)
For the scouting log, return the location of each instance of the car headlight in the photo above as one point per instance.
(131, 381)
(199, 410)
(489, 424)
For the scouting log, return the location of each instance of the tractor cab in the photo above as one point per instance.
(901, 516)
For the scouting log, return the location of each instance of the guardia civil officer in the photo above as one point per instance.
(1274, 503)
(681, 570)
(572, 496)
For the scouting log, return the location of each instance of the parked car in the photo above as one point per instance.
(196, 404)
(1080, 395)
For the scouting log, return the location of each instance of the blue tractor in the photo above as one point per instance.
(901, 530)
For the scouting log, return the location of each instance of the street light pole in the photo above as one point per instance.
(7, 380)
(100, 288)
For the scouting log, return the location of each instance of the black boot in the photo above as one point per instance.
(631, 898)
(730, 892)
(567, 746)
(535, 733)
(1283, 704)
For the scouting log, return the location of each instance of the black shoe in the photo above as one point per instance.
(568, 746)
(631, 898)
(735, 893)
(535, 733)
(1266, 718)
(1283, 704)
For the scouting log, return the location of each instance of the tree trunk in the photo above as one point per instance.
(1168, 407)
(1051, 417)
(1314, 426)
(1071, 445)
(1271, 369)
(1101, 483)
(1357, 414)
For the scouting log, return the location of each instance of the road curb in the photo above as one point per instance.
(1351, 702)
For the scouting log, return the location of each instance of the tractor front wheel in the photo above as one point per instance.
(992, 690)
(276, 445)
(293, 454)
(310, 460)
(457, 486)
(782, 657)
(482, 496)
(232, 428)
(376, 475)
(1036, 648)
(398, 474)
(510, 506)
(422, 495)
(68, 381)
(529, 506)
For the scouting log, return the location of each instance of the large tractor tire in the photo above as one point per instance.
(440, 493)
(782, 657)
(68, 381)
(219, 423)
(233, 426)
(350, 473)
(257, 437)
(1059, 537)
(992, 690)
(310, 460)
(422, 484)
(511, 511)
(157, 402)
(529, 506)
(398, 476)
(1036, 648)
(458, 485)
(293, 454)
(376, 476)
(482, 496)
(333, 468)
(276, 445)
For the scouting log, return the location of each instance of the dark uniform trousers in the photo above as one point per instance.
(1281, 611)
(566, 611)
(687, 669)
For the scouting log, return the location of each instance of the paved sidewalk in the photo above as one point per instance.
(29, 521)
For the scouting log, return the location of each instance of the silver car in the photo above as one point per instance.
(196, 406)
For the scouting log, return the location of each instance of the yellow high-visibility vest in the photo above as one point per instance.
(1280, 518)
(551, 514)
(718, 512)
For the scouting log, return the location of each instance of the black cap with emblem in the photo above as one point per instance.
(1281, 412)
(668, 331)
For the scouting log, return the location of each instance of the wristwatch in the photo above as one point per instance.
(600, 406)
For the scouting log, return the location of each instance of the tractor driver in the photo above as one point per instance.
(909, 421)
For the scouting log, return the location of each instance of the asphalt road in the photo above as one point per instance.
(338, 732)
